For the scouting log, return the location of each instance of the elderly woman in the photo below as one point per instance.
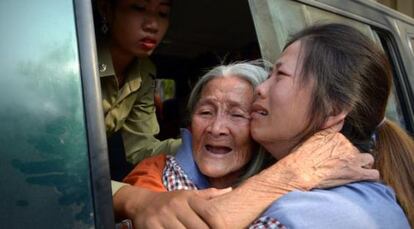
(219, 145)
(219, 151)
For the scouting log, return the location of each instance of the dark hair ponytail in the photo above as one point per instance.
(394, 158)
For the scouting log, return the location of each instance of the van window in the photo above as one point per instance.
(394, 111)
(165, 89)
(397, 107)
(167, 109)
(44, 167)
(277, 20)
(191, 48)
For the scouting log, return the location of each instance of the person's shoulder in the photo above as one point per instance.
(356, 205)
(157, 161)
(148, 173)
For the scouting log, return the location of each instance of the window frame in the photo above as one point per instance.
(265, 22)
(96, 135)
(400, 76)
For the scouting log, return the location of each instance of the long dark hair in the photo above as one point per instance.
(353, 74)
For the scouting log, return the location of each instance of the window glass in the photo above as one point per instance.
(411, 44)
(393, 111)
(277, 20)
(44, 156)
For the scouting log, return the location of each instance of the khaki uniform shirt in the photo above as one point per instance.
(131, 108)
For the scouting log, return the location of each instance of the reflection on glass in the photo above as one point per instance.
(412, 46)
(393, 110)
(44, 165)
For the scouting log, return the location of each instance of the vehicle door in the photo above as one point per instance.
(53, 166)
(276, 20)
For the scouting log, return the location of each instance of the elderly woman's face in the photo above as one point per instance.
(281, 109)
(220, 127)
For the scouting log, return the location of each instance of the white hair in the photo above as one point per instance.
(252, 72)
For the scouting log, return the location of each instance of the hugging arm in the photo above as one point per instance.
(325, 160)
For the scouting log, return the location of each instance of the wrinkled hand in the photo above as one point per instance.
(180, 209)
(328, 159)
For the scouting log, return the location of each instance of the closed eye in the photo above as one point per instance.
(282, 73)
(240, 115)
(237, 115)
(205, 113)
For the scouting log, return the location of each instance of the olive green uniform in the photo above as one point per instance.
(131, 108)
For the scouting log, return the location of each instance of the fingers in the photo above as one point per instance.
(207, 212)
(170, 210)
(370, 174)
(326, 139)
(192, 215)
(181, 209)
(153, 222)
(366, 160)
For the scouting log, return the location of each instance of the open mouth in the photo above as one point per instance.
(259, 110)
(218, 149)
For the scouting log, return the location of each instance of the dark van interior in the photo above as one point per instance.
(202, 34)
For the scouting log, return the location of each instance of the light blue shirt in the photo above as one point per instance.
(367, 205)
(357, 205)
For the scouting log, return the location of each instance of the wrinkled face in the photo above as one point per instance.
(220, 127)
(137, 26)
(281, 109)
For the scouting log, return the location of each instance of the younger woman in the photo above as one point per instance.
(130, 30)
(326, 74)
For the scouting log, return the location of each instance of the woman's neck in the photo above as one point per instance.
(121, 60)
(280, 149)
(225, 181)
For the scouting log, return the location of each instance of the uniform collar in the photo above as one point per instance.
(140, 68)
(184, 158)
(106, 68)
(133, 81)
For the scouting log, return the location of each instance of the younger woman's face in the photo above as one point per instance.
(281, 108)
(137, 27)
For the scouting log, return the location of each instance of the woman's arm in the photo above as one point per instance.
(327, 159)
(178, 209)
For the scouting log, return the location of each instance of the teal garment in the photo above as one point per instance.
(131, 108)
